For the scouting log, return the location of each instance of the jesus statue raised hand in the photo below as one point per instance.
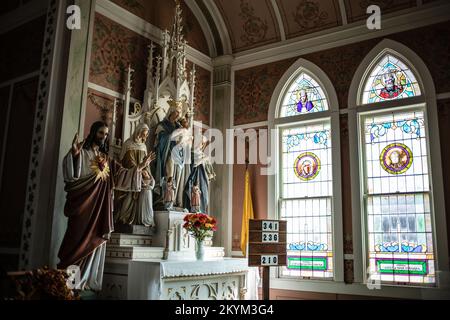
(90, 176)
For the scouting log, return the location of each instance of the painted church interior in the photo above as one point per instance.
(225, 149)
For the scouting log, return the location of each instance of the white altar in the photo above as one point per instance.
(224, 279)
(163, 266)
(160, 263)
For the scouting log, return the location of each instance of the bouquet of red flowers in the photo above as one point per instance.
(200, 225)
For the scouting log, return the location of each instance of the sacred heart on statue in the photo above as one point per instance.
(100, 167)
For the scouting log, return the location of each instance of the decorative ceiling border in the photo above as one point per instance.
(277, 12)
(343, 12)
(343, 35)
(204, 25)
(221, 26)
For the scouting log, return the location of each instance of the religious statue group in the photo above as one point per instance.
(143, 177)
(180, 184)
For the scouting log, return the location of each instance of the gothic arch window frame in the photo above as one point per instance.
(274, 181)
(427, 102)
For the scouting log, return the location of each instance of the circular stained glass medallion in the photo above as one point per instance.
(307, 166)
(396, 158)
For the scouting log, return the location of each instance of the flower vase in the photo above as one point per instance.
(199, 250)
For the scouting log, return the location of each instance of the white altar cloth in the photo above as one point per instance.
(166, 279)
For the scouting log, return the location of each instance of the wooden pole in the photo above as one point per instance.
(266, 283)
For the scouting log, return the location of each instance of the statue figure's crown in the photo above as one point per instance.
(175, 105)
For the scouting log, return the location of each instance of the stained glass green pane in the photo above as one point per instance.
(306, 200)
(420, 223)
(398, 221)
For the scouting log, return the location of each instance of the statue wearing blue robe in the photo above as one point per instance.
(198, 176)
(163, 151)
(201, 173)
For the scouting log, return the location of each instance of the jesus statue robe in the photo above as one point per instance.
(89, 181)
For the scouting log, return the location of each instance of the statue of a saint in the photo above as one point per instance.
(195, 198)
(169, 193)
(90, 176)
(202, 173)
(136, 207)
(172, 146)
(180, 152)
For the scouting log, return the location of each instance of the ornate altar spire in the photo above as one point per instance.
(170, 77)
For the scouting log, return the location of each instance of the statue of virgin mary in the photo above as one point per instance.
(165, 166)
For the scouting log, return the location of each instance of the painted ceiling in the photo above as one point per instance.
(253, 23)
(248, 24)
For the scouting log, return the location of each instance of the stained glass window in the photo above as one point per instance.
(306, 200)
(390, 79)
(397, 188)
(304, 96)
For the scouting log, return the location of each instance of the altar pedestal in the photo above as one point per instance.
(225, 279)
(169, 241)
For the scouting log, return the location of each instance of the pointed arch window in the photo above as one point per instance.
(397, 193)
(306, 176)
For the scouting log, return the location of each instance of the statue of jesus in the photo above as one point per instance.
(90, 176)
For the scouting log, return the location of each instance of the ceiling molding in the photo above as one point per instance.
(443, 96)
(342, 35)
(21, 78)
(204, 25)
(130, 21)
(199, 58)
(221, 26)
(276, 9)
(109, 92)
(252, 125)
(22, 15)
(9, 251)
(343, 12)
(223, 60)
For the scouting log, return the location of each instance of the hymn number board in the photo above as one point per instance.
(267, 243)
